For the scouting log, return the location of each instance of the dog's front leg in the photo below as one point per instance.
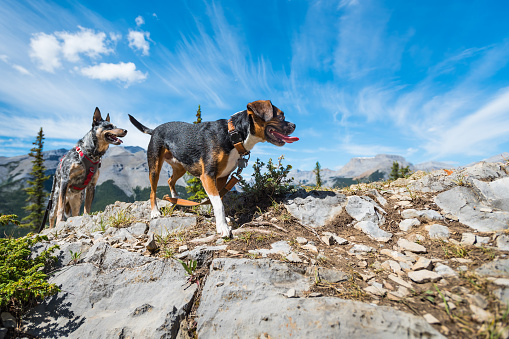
(89, 196)
(210, 187)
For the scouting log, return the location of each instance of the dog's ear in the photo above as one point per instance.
(108, 117)
(261, 109)
(97, 117)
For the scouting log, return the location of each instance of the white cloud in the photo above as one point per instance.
(139, 20)
(124, 71)
(139, 41)
(86, 41)
(45, 51)
(21, 69)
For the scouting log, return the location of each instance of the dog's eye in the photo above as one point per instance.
(280, 117)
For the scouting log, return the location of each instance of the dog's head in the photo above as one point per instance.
(268, 123)
(105, 131)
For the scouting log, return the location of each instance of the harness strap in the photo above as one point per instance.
(90, 169)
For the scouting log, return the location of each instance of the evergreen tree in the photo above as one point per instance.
(317, 173)
(404, 171)
(394, 171)
(35, 190)
(194, 185)
(198, 115)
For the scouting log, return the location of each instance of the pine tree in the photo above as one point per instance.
(394, 171)
(317, 173)
(404, 171)
(198, 115)
(35, 190)
(194, 185)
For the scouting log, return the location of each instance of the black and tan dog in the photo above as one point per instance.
(78, 170)
(211, 150)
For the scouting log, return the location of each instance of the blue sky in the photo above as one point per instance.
(427, 80)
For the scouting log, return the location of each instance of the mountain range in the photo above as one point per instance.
(362, 169)
(124, 175)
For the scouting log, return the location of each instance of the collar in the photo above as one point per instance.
(236, 139)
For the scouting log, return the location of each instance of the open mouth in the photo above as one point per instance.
(113, 139)
(281, 138)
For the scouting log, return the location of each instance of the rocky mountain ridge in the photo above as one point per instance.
(363, 167)
(422, 257)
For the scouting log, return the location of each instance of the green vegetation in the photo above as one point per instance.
(23, 281)
(338, 182)
(317, 173)
(35, 190)
(398, 172)
(107, 193)
(270, 185)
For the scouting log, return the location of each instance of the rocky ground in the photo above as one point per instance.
(422, 257)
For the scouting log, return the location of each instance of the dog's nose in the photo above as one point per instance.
(125, 131)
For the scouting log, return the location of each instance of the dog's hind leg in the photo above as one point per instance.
(154, 168)
(61, 201)
(178, 172)
(209, 184)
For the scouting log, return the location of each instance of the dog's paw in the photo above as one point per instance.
(224, 230)
(155, 213)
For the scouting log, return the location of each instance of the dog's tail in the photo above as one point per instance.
(139, 126)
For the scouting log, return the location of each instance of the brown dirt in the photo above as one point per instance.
(423, 299)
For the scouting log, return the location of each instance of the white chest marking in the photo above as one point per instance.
(249, 143)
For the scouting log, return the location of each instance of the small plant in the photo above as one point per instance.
(23, 281)
(120, 219)
(102, 225)
(75, 257)
(246, 237)
(167, 211)
(271, 184)
(461, 180)
(190, 268)
(168, 253)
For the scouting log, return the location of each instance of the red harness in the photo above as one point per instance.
(90, 168)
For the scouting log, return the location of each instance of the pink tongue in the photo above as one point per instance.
(285, 138)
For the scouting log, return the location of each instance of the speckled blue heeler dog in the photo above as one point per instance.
(78, 171)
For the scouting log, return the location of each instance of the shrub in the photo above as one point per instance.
(23, 280)
(272, 184)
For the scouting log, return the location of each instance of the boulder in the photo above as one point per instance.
(315, 208)
(483, 206)
(252, 303)
(365, 209)
(114, 293)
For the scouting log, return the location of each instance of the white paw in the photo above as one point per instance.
(224, 230)
(155, 213)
